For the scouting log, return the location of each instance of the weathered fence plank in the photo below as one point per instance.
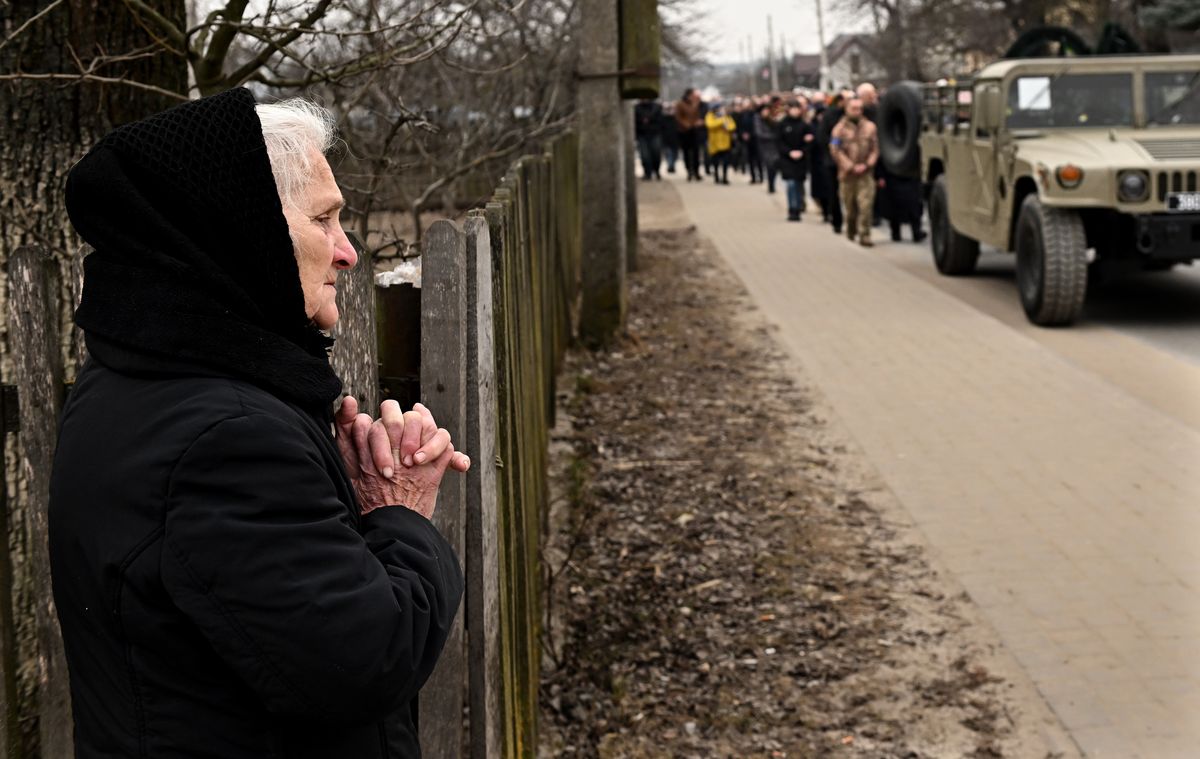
(526, 406)
(10, 734)
(75, 272)
(482, 557)
(355, 355)
(444, 391)
(499, 216)
(37, 372)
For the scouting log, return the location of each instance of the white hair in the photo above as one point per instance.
(292, 129)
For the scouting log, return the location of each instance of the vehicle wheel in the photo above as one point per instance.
(1052, 268)
(900, 129)
(953, 253)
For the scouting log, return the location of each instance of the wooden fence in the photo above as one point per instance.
(494, 313)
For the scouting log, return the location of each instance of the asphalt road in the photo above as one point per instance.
(1161, 309)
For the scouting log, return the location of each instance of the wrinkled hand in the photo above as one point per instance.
(398, 459)
(796, 155)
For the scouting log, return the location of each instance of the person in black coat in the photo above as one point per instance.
(748, 139)
(648, 117)
(795, 144)
(768, 144)
(818, 169)
(903, 204)
(898, 198)
(670, 136)
(233, 578)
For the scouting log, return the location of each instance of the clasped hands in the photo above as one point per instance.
(398, 459)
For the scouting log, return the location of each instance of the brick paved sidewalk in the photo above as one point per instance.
(1067, 507)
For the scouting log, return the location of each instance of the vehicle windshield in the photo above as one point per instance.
(1172, 97)
(1070, 100)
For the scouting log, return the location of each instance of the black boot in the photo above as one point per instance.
(793, 214)
(919, 234)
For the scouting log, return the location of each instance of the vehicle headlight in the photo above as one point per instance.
(1069, 176)
(1133, 186)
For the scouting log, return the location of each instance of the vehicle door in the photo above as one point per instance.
(960, 164)
(985, 192)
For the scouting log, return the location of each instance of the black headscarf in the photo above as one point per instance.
(193, 270)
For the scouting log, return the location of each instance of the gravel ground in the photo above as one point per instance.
(727, 578)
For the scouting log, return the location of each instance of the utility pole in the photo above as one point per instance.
(741, 59)
(771, 56)
(784, 62)
(753, 64)
(602, 145)
(824, 70)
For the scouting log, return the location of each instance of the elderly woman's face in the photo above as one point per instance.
(320, 244)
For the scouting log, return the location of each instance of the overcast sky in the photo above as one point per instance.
(730, 22)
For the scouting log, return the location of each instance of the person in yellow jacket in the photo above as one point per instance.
(720, 127)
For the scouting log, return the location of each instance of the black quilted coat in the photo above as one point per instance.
(220, 596)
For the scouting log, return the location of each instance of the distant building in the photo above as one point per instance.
(851, 62)
(806, 70)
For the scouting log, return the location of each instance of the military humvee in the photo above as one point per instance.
(1073, 163)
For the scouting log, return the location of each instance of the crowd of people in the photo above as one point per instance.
(827, 142)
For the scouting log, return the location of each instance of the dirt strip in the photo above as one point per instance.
(728, 578)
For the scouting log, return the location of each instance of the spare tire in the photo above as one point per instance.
(900, 129)
(1040, 41)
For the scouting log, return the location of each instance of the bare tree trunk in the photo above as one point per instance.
(45, 126)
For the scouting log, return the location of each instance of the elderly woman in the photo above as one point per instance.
(238, 573)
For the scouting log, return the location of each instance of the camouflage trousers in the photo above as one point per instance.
(858, 204)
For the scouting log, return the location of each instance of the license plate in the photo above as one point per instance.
(1183, 201)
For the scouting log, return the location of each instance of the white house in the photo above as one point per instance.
(852, 60)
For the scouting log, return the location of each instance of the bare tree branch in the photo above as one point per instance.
(86, 77)
(30, 21)
(242, 74)
(165, 25)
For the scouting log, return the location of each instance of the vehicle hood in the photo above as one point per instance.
(1110, 147)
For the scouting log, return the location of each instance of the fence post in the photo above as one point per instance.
(444, 391)
(483, 581)
(602, 140)
(38, 373)
(355, 356)
(631, 212)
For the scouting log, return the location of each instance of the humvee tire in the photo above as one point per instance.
(953, 253)
(1052, 267)
(1038, 41)
(900, 129)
